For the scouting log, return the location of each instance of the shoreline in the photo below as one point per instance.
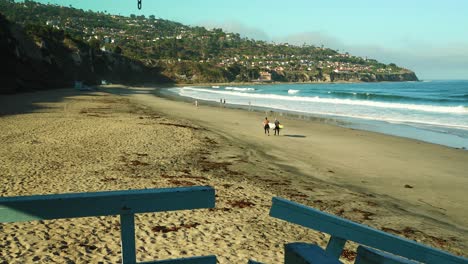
(404, 130)
(276, 82)
(317, 122)
(126, 138)
(180, 84)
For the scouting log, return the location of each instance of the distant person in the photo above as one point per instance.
(277, 128)
(196, 103)
(266, 126)
(250, 106)
(224, 102)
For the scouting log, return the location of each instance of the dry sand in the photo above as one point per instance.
(127, 138)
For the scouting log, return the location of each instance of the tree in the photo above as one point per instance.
(117, 50)
(94, 44)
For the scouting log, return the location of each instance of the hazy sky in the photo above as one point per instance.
(427, 36)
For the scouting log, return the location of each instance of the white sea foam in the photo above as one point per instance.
(291, 91)
(239, 89)
(388, 105)
(400, 120)
(215, 86)
(436, 116)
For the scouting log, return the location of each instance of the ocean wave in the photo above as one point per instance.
(368, 95)
(240, 89)
(389, 105)
(398, 120)
(454, 99)
(291, 91)
(463, 96)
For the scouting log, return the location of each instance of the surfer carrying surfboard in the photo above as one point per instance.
(266, 126)
(277, 126)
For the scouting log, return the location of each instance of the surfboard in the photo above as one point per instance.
(272, 125)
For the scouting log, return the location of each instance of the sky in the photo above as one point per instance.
(429, 37)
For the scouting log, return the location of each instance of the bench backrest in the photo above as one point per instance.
(123, 203)
(342, 230)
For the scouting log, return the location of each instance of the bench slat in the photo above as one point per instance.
(367, 255)
(343, 228)
(56, 206)
(335, 246)
(127, 232)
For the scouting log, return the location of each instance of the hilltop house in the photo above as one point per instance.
(265, 77)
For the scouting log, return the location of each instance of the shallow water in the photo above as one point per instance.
(433, 111)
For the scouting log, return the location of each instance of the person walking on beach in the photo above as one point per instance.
(266, 126)
(196, 103)
(277, 128)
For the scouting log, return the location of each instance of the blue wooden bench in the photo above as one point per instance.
(367, 255)
(390, 248)
(123, 203)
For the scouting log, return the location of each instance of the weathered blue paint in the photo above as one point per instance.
(362, 234)
(335, 246)
(123, 203)
(55, 206)
(194, 260)
(303, 253)
(367, 255)
(127, 231)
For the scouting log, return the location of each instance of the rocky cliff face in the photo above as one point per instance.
(369, 77)
(42, 63)
(343, 77)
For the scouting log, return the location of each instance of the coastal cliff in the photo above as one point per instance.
(370, 77)
(50, 59)
(319, 76)
(37, 57)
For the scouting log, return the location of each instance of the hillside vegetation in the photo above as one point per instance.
(93, 46)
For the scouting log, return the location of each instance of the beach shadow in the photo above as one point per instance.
(34, 101)
(30, 102)
(295, 136)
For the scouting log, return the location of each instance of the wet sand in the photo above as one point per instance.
(128, 138)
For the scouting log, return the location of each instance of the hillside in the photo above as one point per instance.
(94, 46)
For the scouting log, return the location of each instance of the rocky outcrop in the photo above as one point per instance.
(342, 77)
(369, 77)
(406, 76)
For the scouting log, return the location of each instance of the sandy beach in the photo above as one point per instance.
(120, 138)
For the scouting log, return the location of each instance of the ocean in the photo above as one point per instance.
(432, 111)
